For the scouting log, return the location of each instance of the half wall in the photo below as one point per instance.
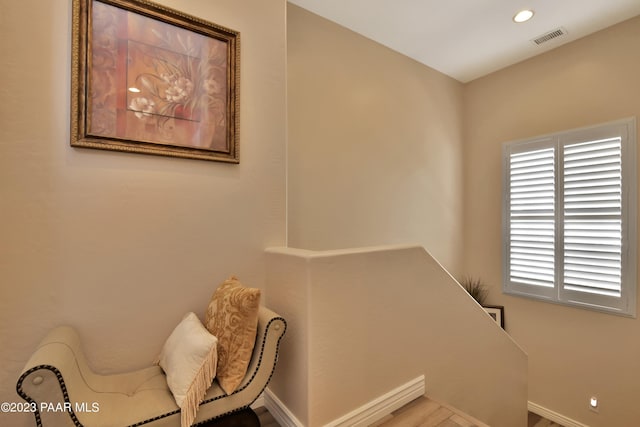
(364, 321)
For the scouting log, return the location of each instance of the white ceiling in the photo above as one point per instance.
(467, 39)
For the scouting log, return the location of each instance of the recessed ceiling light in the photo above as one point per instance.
(523, 16)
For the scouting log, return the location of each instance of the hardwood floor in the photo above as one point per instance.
(422, 412)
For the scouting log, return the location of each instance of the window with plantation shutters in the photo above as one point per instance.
(569, 218)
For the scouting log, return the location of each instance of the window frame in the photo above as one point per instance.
(624, 305)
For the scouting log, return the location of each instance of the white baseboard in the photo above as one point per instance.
(280, 413)
(360, 417)
(553, 416)
(382, 406)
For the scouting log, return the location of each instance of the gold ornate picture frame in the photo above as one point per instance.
(149, 79)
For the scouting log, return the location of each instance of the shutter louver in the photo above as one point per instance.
(532, 211)
(593, 217)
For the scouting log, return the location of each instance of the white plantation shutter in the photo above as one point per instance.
(593, 217)
(569, 215)
(532, 209)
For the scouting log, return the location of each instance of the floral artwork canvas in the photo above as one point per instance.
(154, 86)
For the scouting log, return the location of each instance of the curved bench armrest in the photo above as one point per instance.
(265, 317)
(57, 377)
(58, 355)
(271, 328)
(59, 348)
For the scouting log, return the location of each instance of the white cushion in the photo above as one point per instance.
(189, 359)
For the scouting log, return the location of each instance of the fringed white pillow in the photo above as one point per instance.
(189, 359)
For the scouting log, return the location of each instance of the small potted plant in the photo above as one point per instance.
(479, 291)
(476, 288)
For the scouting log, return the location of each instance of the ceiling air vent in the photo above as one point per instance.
(554, 34)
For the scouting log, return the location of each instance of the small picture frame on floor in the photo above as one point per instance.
(496, 312)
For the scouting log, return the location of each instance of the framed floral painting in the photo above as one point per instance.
(150, 79)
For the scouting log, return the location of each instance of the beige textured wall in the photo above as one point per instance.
(122, 245)
(289, 296)
(573, 353)
(375, 144)
(372, 319)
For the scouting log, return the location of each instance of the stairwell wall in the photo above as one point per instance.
(374, 144)
(366, 321)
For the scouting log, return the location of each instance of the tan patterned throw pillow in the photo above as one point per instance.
(232, 316)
